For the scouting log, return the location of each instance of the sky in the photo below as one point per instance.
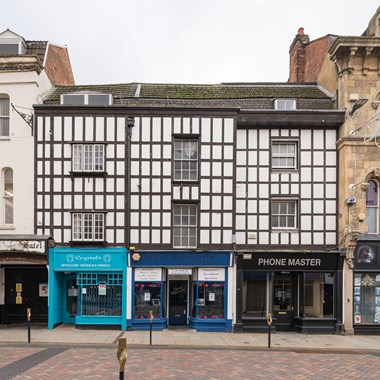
(182, 41)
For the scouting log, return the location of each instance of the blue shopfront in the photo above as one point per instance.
(87, 286)
(180, 288)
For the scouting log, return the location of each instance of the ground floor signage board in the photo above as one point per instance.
(211, 274)
(283, 261)
(148, 274)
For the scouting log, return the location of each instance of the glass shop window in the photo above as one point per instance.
(255, 295)
(367, 298)
(100, 293)
(317, 295)
(211, 300)
(148, 297)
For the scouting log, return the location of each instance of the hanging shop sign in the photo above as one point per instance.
(148, 274)
(211, 274)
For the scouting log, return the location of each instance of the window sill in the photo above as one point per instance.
(10, 227)
(181, 182)
(88, 243)
(5, 138)
(88, 174)
(285, 230)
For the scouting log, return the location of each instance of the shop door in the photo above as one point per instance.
(283, 302)
(70, 298)
(178, 302)
(25, 287)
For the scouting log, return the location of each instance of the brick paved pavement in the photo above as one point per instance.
(77, 362)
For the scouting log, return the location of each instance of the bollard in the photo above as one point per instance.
(150, 326)
(28, 316)
(269, 321)
(122, 355)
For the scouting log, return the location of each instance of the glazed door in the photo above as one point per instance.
(70, 298)
(283, 302)
(178, 302)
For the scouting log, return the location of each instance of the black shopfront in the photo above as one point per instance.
(303, 291)
(366, 286)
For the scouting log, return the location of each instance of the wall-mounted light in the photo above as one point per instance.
(359, 103)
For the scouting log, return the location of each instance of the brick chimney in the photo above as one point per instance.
(297, 57)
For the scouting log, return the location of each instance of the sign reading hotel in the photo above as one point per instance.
(36, 246)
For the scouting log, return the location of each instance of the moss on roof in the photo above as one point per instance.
(194, 91)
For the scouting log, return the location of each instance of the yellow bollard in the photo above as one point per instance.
(122, 355)
(269, 321)
(28, 316)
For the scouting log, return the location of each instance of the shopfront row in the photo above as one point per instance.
(212, 291)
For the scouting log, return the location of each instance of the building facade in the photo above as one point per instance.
(348, 66)
(28, 69)
(198, 182)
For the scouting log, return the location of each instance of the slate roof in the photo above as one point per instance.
(223, 91)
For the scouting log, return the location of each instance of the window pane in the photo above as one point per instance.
(77, 157)
(147, 298)
(184, 223)
(317, 295)
(211, 300)
(4, 116)
(367, 299)
(255, 303)
(186, 160)
(372, 195)
(8, 196)
(371, 218)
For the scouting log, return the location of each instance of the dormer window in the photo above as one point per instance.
(285, 104)
(86, 99)
(11, 43)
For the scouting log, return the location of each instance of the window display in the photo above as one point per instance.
(367, 298)
(148, 298)
(211, 300)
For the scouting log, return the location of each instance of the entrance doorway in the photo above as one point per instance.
(178, 302)
(70, 298)
(25, 287)
(283, 301)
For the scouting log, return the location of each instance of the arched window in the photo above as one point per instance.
(8, 196)
(4, 115)
(372, 207)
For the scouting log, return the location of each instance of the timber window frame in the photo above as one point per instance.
(285, 104)
(185, 224)
(4, 116)
(284, 214)
(372, 207)
(8, 197)
(284, 154)
(88, 158)
(186, 159)
(88, 226)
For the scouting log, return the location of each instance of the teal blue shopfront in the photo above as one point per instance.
(87, 286)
